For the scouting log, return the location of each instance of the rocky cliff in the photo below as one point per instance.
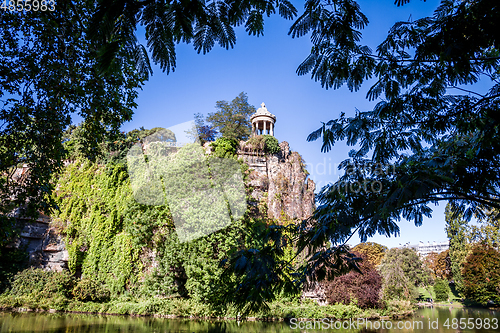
(43, 243)
(280, 181)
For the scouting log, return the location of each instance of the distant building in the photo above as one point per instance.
(424, 249)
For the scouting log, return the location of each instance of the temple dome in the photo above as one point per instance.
(262, 111)
(263, 121)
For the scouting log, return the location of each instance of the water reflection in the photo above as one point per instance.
(424, 320)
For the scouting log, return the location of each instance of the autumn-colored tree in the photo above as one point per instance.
(431, 261)
(353, 287)
(481, 274)
(372, 251)
(439, 264)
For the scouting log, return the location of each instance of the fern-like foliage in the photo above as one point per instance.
(429, 138)
(337, 57)
(167, 23)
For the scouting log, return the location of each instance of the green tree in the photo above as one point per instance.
(232, 120)
(488, 229)
(481, 274)
(457, 230)
(441, 290)
(202, 131)
(49, 73)
(402, 271)
(224, 147)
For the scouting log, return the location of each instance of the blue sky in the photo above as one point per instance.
(264, 67)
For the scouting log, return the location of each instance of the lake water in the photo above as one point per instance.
(425, 320)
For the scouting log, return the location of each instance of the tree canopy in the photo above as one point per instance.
(202, 131)
(49, 73)
(433, 134)
(457, 229)
(439, 264)
(372, 251)
(232, 119)
(169, 23)
(481, 274)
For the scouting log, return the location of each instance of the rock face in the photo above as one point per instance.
(45, 246)
(280, 181)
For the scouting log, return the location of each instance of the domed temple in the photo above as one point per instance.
(263, 121)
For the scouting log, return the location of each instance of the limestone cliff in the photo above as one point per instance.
(280, 181)
(43, 243)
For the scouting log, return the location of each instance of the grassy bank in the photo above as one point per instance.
(185, 308)
(39, 290)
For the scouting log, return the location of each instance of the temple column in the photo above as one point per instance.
(263, 121)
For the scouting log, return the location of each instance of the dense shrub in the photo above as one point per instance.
(441, 289)
(267, 143)
(224, 147)
(41, 283)
(481, 274)
(353, 287)
(88, 290)
(12, 261)
(271, 144)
